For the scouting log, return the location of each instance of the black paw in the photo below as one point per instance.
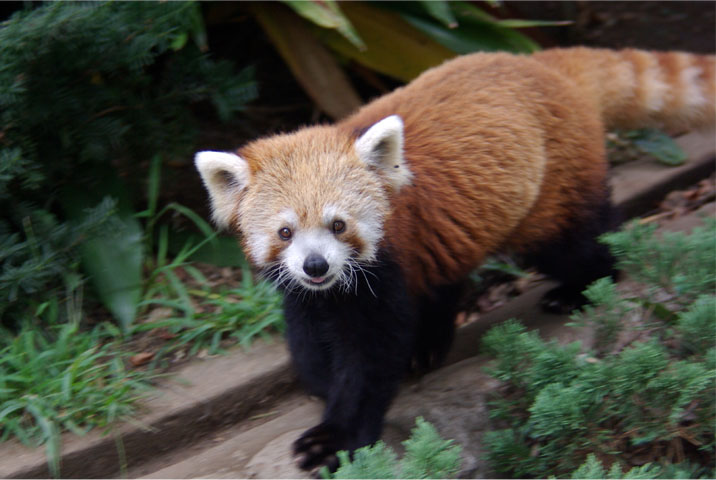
(562, 301)
(317, 447)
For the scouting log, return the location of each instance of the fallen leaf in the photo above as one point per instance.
(141, 358)
(165, 334)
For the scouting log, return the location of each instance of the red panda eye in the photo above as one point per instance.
(285, 233)
(339, 226)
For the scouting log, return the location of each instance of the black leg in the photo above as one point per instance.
(353, 418)
(353, 350)
(576, 259)
(437, 326)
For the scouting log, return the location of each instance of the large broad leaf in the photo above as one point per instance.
(477, 31)
(394, 47)
(326, 14)
(112, 260)
(468, 13)
(440, 10)
(311, 63)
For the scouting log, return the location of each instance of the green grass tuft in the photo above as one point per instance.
(62, 378)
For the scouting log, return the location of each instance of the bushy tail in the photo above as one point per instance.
(675, 91)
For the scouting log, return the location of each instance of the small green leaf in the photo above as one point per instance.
(517, 23)
(659, 145)
(154, 179)
(179, 41)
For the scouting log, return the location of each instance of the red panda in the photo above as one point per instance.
(370, 225)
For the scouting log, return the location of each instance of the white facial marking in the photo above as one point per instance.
(287, 218)
(319, 241)
(332, 212)
(261, 238)
(258, 243)
(370, 231)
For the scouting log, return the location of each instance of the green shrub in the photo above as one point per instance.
(593, 468)
(646, 393)
(427, 455)
(89, 91)
(675, 263)
(696, 326)
(42, 256)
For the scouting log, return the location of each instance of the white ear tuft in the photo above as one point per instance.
(381, 146)
(224, 175)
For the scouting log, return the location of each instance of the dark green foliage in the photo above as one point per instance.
(648, 397)
(87, 91)
(682, 265)
(593, 468)
(42, 255)
(606, 322)
(522, 359)
(372, 461)
(626, 145)
(611, 406)
(697, 326)
(427, 455)
(657, 144)
(122, 78)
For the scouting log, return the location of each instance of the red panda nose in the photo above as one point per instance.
(315, 265)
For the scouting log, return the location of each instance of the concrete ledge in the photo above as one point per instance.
(210, 394)
(638, 186)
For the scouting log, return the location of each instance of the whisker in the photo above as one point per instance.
(365, 274)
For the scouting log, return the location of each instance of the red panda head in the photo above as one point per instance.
(310, 205)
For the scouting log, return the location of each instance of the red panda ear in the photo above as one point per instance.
(381, 146)
(225, 175)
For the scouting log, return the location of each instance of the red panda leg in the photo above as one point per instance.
(576, 258)
(352, 348)
(437, 312)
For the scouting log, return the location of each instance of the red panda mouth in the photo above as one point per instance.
(318, 281)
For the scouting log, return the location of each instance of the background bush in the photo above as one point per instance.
(427, 455)
(643, 395)
(89, 92)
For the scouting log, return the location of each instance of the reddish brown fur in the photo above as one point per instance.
(506, 151)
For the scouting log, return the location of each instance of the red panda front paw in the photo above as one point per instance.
(317, 447)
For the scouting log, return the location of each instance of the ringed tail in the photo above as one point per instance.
(675, 91)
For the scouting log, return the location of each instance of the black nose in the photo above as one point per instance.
(315, 265)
